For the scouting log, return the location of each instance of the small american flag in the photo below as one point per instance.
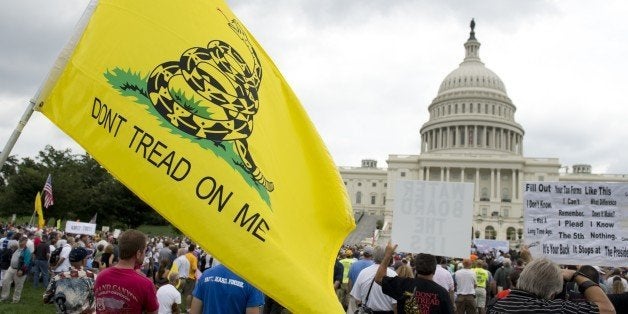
(49, 200)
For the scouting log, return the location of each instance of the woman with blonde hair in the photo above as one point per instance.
(405, 271)
(107, 258)
(618, 286)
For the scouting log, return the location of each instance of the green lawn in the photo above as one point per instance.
(31, 302)
(151, 230)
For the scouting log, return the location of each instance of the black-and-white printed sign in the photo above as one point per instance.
(577, 222)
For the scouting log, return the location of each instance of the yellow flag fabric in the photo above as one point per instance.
(38, 209)
(181, 104)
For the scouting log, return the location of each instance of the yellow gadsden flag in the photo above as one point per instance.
(40, 213)
(181, 104)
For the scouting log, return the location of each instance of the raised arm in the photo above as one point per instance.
(593, 293)
(381, 271)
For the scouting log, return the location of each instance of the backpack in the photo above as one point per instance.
(54, 256)
(5, 258)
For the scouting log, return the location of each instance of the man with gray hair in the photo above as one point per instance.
(16, 274)
(370, 295)
(539, 283)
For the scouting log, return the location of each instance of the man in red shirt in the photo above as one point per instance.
(123, 288)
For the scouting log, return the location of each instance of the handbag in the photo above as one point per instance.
(363, 309)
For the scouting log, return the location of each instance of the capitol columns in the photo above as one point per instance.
(492, 183)
(499, 185)
(477, 184)
(462, 174)
(514, 186)
(518, 185)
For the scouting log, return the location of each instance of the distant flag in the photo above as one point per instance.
(48, 198)
(184, 107)
(93, 220)
(58, 224)
(40, 213)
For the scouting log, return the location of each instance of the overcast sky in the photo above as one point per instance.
(367, 70)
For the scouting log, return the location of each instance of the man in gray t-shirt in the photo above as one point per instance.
(15, 273)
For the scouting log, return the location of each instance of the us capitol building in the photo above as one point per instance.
(471, 136)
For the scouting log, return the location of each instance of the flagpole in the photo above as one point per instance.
(16, 133)
(51, 78)
(30, 222)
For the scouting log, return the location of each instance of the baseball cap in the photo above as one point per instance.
(369, 250)
(78, 254)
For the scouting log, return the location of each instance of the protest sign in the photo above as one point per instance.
(80, 228)
(486, 245)
(577, 222)
(433, 217)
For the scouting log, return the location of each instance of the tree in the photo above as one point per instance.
(81, 188)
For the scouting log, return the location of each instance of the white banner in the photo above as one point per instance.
(577, 223)
(116, 233)
(433, 217)
(486, 245)
(80, 228)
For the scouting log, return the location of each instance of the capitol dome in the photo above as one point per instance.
(472, 111)
(472, 74)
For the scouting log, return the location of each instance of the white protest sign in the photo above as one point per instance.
(433, 217)
(577, 223)
(487, 245)
(105, 229)
(116, 233)
(80, 228)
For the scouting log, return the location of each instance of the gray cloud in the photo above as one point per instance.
(31, 38)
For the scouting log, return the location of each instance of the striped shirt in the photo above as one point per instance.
(519, 301)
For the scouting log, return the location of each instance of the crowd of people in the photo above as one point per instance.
(379, 280)
(128, 273)
(133, 273)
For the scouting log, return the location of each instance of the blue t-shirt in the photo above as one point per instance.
(357, 267)
(222, 291)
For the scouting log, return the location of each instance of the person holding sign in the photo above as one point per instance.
(414, 295)
(539, 283)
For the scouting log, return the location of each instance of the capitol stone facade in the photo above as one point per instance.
(471, 136)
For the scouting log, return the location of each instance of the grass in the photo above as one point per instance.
(151, 230)
(30, 302)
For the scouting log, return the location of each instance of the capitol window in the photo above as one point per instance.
(358, 197)
(489, 233)
(511, 234)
